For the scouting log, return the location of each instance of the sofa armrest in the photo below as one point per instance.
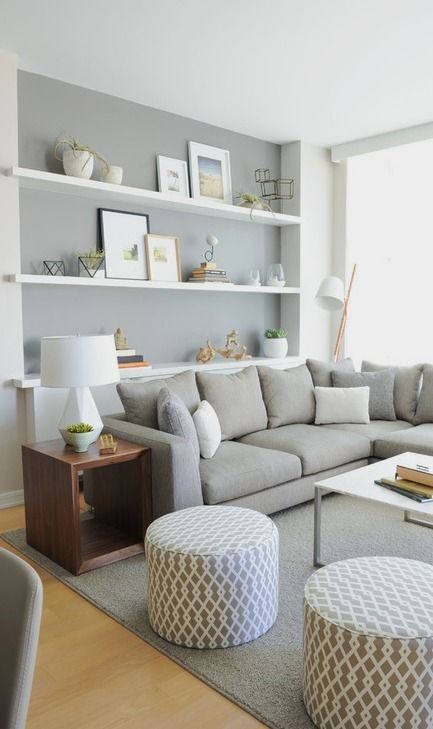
(175, 474)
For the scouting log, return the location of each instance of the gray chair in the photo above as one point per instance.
(20, 617)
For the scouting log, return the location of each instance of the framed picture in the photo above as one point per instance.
(162, 253)
(210, 172)
(122, 238)
(173, 176)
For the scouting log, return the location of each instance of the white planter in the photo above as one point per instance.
(113, 175)
(78, 164)
(275, 347)
(81, 441)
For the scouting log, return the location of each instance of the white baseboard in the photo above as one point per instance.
(11, 498)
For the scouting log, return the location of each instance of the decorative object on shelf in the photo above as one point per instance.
(163, 260)
(79, 363)
(91, 263)
(275, 276)
(78, 159)
(208, 271)
(275, 343)
(173, 176)
(279, 188)
(80, 436)
(122, 238)
(206, 354)
(254, 277)
(233, 349)
(331, 296)
(210, 173)
(107, 444)
(113, 174)
(121, 342)
(254, 202)
(54, 268)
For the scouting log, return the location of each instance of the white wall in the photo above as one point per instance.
(11, 348)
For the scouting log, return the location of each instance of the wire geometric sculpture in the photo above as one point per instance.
(279, 188)
(54, 268)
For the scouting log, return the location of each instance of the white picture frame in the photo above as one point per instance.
(210, 173)
(162, 256)
(122, 238)
(172, 176)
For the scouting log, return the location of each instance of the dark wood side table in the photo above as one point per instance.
(122, 494)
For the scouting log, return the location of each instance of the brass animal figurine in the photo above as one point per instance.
(206, 354)
(233, 349)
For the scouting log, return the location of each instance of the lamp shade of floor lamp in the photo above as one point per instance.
(79, 362)
(331, 296)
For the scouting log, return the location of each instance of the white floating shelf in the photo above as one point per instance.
(37, 179)
(30, 278)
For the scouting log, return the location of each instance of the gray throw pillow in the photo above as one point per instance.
(381, 384)
(288, 395)
(174, 418)
(237, 401)
(406, 387)
(321, 371)
(139, 398)
(424, 411)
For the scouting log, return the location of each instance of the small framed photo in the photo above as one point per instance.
(122, 238)
(173, 176)
(210, 173)
(163, 261)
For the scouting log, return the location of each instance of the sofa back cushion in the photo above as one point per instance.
(381, 384)
(321, 371)
(406, 387)
(139, 398)
(237, 401)
(175, 418)
(288, 395)
(424, 410)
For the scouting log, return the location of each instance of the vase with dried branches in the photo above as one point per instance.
(78, 159)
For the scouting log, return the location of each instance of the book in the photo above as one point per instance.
(125, 352)
(418, 474)
(131, 358)
(131, 365)
(398, 487)
(413, 487)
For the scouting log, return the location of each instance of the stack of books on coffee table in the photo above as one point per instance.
(415, 482)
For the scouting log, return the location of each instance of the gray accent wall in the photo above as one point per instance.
(166, 326)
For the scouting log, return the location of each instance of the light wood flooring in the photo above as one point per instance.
(92, 673)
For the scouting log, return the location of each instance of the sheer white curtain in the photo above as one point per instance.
(390, 237)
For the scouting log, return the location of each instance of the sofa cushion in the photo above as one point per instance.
(238, 470)
(406, 387)
(208, 429)
(321, 371)
(373, 430)
(318, 448)
(381, 385)
(236, 399)
(418, 439)
(288, 395)
(424, 410)
(139, 398)
(341, 405)
(175, 418)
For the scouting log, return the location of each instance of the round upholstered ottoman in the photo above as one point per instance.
(368, 644)
(213, 576)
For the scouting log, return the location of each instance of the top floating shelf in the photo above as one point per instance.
(36, 179)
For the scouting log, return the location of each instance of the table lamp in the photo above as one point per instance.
(79, 363)
(331, 296)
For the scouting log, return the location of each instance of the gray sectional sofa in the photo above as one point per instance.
(271, 452)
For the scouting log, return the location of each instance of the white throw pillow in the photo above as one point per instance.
(208, 429)
(341, 405)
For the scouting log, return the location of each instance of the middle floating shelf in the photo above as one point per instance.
(30, 278)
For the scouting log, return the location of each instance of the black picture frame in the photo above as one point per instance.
(124, 259)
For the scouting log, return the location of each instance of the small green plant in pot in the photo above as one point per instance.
(78, 159)
(80, 436)
(91, 263)
(249, 200)
(275, 343)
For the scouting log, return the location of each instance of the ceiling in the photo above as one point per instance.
(324, 71)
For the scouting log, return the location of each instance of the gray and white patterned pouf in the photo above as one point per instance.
(368, 644)
(213, 576)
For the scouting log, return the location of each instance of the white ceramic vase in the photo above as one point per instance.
(113, 175)
(78, 163)
(275, 347)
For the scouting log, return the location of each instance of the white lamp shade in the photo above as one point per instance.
(77, 361)
(331, 293)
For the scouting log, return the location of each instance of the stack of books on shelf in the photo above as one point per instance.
(209, 273)
(415, 482)
(127, 358)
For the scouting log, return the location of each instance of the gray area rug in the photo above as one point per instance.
(265, 676)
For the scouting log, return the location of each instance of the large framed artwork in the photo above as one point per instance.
(173, 176)
(122, 237)
(163, 261)
(210, 173)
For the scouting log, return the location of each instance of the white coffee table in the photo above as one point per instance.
(360, 484)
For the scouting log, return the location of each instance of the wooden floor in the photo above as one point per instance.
(92, 673)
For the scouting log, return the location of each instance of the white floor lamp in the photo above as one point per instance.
(331, 296)
(79, 363)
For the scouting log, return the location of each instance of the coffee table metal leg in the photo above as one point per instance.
(421, 522)
(317, 526)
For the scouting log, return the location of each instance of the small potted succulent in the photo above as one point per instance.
(275, 343)
(80, 436)
(254, 202)
(78, 159)
(91, 263)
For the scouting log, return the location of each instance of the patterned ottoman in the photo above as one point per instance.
(368, 644)
(213, 576)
